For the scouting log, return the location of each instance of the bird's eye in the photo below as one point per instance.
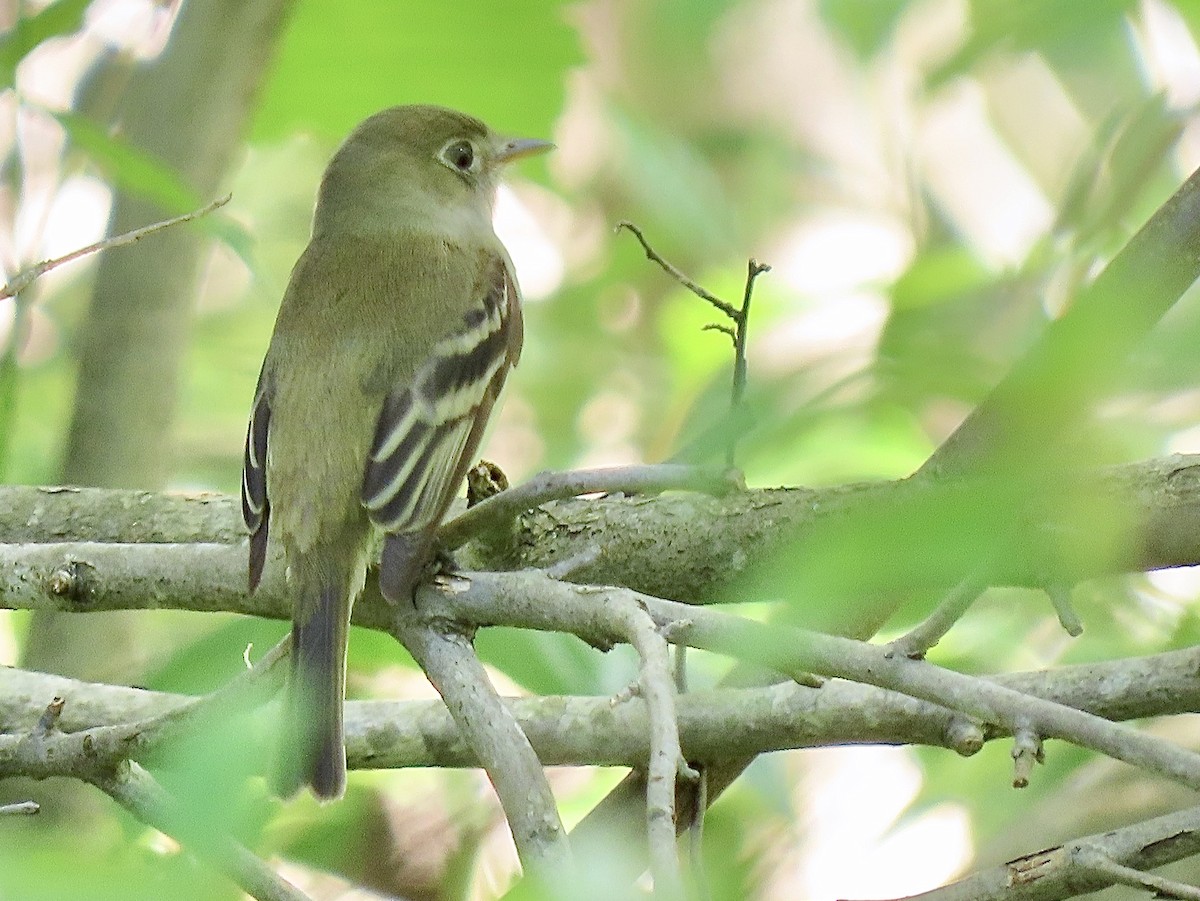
(460, 155)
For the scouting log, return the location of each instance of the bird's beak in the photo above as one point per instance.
(516, 148)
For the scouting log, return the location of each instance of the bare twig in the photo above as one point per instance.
(1158, 500)
(714, 725)
(740, 317)
(21, 281)
(1027, 750)
(1060, 597)
(1091, 858)
(695, 839)
(563, 569)
(531, 600)
(30, 274)
(917, 641)
(753, 270)
(740, 363)
(723, 329)
(653, 255)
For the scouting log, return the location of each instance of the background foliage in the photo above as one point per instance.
(931, 179)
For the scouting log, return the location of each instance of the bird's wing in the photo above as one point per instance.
(430, 427)
(256, 508)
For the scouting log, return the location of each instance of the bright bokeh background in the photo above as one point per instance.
(930, 179)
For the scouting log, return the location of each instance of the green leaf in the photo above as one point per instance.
(542, 662)
(63, 17)
(8, 399)
(866, 25)
(1066, 29)
(341, 62)
(130, 168)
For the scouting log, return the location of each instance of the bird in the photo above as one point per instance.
(400, 321)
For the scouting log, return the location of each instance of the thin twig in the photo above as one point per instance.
(740, 364)
(1060, 597)
(30, 274)
(666, 758)
(753, 270)
(714, 724)
(1091, 858)
(137, 791)
(739, 317)
(915, 643)
(695, 839)
(653, 255)
(723, 329)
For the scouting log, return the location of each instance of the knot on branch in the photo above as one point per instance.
(73, 582)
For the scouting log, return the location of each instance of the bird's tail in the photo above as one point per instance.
(312, 752)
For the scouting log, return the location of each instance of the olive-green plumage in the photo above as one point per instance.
(396, 331)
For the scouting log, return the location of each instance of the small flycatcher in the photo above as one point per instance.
(394, 337)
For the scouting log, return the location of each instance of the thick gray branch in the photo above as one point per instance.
(698, 547)
(713, 725)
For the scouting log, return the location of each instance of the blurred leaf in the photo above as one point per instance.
(339, 63)
(866, 25)
(939, 274)
(8, 402)
(217, 657)
(72, 863)
(329, 837)
(543, 663)
(209, 782)
(61, 17)
(1076, 29)
(1129, 149)
(1189, 11)
(1143, 145)
(129, 167)
(676, 190)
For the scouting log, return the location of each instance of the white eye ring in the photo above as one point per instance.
(460, 155)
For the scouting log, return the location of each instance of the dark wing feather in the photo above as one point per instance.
(256, 507)
(428, 428)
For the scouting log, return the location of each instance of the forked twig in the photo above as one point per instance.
(739, 316)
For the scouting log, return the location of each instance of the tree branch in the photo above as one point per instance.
(698, 547)
(502, 509)
(445, 654)
(714, 725)
(1071, 869)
